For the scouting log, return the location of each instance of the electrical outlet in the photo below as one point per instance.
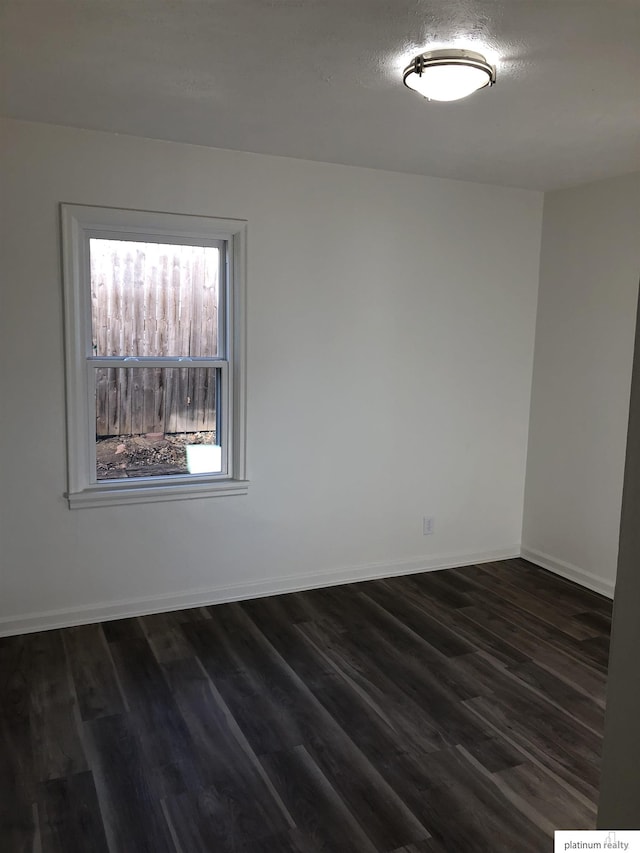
(428, 523)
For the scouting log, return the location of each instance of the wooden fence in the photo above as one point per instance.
(138, 400)
(151, 299)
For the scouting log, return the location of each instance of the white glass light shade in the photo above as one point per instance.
(448, 75)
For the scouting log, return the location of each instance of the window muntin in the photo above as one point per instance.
(154, 309)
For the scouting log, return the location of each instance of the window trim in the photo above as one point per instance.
(80, 223)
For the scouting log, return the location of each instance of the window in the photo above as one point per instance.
(154, 335)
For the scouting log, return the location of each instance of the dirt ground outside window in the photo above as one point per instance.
(150, 455)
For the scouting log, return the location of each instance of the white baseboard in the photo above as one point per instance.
(569, 571)
(106, 611)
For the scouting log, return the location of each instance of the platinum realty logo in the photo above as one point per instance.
(627, 840)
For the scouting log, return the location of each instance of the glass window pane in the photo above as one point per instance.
(156, 421)
(154, 299)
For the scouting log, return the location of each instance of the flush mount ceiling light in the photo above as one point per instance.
(448, 75)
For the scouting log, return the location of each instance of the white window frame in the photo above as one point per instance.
(80, 223)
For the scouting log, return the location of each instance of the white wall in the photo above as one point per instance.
(589, 271)
(391, 329)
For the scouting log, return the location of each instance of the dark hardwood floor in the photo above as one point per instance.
(456, 711)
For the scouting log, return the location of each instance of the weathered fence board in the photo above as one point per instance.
(140, 400)
(151, 299)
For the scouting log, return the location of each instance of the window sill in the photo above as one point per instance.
(126, 494)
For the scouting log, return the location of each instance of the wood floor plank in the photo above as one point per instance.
(542, 689)
(209, 822)
(69, 816)
(335, 606)
(543, 713)
(495, 754)
(483, 817)
(122, 630)
(200, 821)
(512, 647)
(433, 632)
(458, 711)
(132, 814)
(400, 638)
(376, 740)
(225, 762)
(238, 673)
(487, 588)
(549, 586)
(388, 699)
(57, 748)
(91, 666)
(432, 584)
(292, 713)
(439, 693)
(319, 811)
(295, 607)
(388, 819)
(355, 707)
(562, 694)
(154, 716)
(596, 650)
(165, 636)
(543, 630)
(477, 635)
(18, 818)
(18, 780)
(355, 710)
(192, 614)
(554, 585)
(598, 622)
(559, 805)
(430, 846)
(587, 680)
(539, 739)
(272, 617)
(529, 637)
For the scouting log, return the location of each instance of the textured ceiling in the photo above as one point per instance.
(321, 80)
